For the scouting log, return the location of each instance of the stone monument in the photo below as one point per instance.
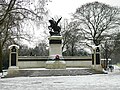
(13, 60)
(96, 60)
(55, 60)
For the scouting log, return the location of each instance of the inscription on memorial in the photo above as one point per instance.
(13, 59)
(97, 58)
(55, 42)
(13, 56)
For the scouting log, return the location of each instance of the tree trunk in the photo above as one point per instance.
(96, 42)
(0, 57)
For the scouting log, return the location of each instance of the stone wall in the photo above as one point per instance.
(40, 61)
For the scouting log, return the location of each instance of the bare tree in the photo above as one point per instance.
(96, 20)
(71, 38)
(114, 49)
(12, 14)
(40, 50)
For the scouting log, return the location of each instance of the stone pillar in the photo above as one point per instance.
(13, 60)
(96, 59)
(55, 49)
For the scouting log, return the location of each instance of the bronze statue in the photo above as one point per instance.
(54, 28)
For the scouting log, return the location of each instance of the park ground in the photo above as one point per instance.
(110, 81)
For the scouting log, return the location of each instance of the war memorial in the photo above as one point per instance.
(55, 64)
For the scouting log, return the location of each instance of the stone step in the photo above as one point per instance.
(55, 72)
(52, 72)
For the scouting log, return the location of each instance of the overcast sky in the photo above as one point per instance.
(65, 7)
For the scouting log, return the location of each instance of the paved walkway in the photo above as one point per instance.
(109, 81)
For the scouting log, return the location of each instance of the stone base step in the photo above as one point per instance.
(51, 72)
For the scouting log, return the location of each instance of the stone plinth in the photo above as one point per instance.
(55, 45)
(55, 65)
(97, 67)
(55, 48)
(13, 71)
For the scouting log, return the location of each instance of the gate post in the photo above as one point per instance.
(96, 59)
(13, 60)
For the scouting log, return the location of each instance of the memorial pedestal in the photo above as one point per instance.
(55, 65)
(13, 71)
(97, 67)
(55, 48)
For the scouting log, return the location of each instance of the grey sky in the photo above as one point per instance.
(65, 7)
